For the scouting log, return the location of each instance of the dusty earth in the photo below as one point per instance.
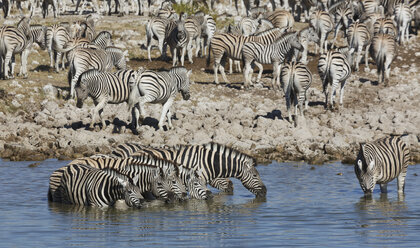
(37, 122)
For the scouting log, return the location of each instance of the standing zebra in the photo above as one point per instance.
(380, 162)
(229, 45)
(306, 36)
(157, 176)
(280, 18)
(196, 186)
(385, 26)
(155, 29)
(217, 163)
(403, 16)
(342, 19)
(15, 40)
(158, 87)
(322, 23)
(358, 37)
(208, 29)
(83, 59)
(57, 36)
(383, 51)
(334, 68)
(177, 37)
(103, 88)
(296, 78)
(193, 28)
(275, 53)
(84, 185)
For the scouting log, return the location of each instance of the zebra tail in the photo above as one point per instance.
(380, 60)
(324, 79)
(289, 84)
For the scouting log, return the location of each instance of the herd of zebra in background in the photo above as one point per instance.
(135, 173)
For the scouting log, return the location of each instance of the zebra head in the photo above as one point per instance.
(251, 179)
(312, 36)
(132, 193)
(118, 57)
(38, 34)
(365, 170)
(183, 80)
(197, 185)
(294, 42)
(82, 93)
(161, 187)
(177, 185)
(24, 27)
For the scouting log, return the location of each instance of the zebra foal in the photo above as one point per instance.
(296, 79)
(84, 185)
(158, 87)
(275, 53)
(380, 162)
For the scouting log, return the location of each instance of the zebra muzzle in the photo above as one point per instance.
(185, 96)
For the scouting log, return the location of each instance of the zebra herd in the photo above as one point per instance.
(136, 173)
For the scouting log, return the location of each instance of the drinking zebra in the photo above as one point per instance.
(334, 68)
(380, 162)
(158, 87)
(358, 38)
(321, 21)
(177, 37)
(403, 17)
(157, 176)
(83, 59)
(15, 40)
(103, 88)
(229, 45)
(84, 185)
(217, 163)
(296, 79)
(383, 51)
(275, 53)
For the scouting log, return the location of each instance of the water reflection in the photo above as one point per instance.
(382, 217)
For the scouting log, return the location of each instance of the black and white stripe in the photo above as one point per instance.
(57, 36)
(296, 79)
(177, 37)
(322, 22)
(85, 185)
(306, 36)
(403, 17)
(15, 40)
(159, 87)
(103, 88)
(383, 51)
(275, 53)
(334, 68)
(208, 29)
(83, 59)
(359, 38)
(156, 29)
(380, 162)
(229, 45)
(193, 26)
(385, 26)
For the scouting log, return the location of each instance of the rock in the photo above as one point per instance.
(50, 91)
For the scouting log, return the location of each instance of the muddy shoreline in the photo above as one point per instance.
(38, 123)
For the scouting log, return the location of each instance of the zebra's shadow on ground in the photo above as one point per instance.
(236, 86)
(271, 115)
(366, 80)
(44, 68)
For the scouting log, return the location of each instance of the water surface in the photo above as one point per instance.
(305, 206)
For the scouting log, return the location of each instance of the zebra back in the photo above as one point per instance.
(103, 40)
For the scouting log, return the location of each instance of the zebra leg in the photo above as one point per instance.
(238, 66)
(198, 42)
(183, 50)
(401, 180)
(333, 92)
(260, 71)
(165, 110)
(6, 64)
(230, 66)
(12, 65)
(149, 47)
(386, 70)
(174, 56)
(322, 41)
(384, 187)
(275, 66)
(358, 57)
(95, 111)
(169, 116)
(342, 91)
(24, 61)
(247, 74)
(135, 117)
(189, 50)
(367, 69)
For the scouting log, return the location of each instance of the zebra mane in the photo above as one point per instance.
(143, 154)
(286, 36)
(265, 32)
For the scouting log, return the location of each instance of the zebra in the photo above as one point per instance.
(334, 68)
(83, 59)
(156, 29)
(193, 28)
(380, 162)
(57, 36)
(342, 19)
(305, 36)
(385, 26)
(383, 51)
(177, 37)
(296, 79)
(358, 37)
(275, 53)
(231, 46)
(217, 163)
(322, 23)
(46, 4)
(15, 40)
(103, 88)
(84, 185)
(157, 176)
(280, 18)
(403, 17)
(208, 29)
(158, 87)
(195, 185)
